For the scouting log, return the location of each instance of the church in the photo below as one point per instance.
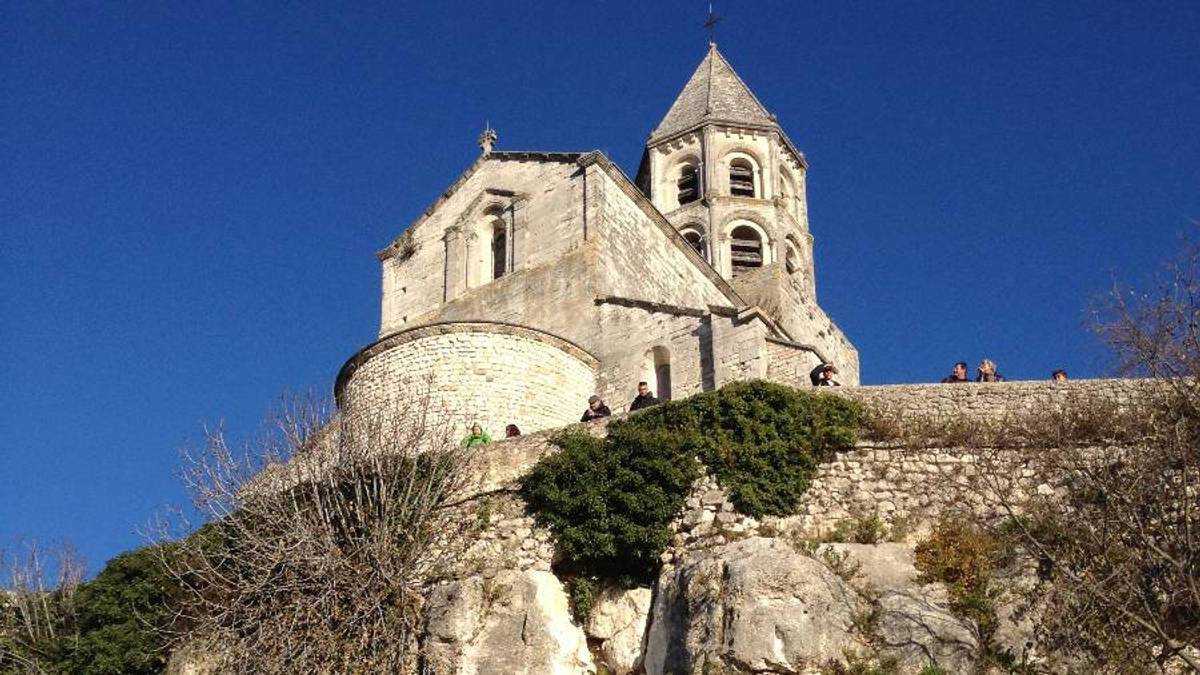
(537, 279)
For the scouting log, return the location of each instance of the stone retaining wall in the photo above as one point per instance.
(914, 485)
(987, 399)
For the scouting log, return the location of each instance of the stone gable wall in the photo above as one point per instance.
(782, 296)
(549, 223)
(789, 365)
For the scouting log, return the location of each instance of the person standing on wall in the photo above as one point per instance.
(959, 374)
(477, 437)
(595, 410)
(822, 376)
(987, 372)
(644, 399)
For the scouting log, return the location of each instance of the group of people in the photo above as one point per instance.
(478, 436)
(821, 376)
(595, 410)
(986, 372)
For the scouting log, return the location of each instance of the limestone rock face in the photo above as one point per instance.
(619, 621)
(756, 605)
(914, 622)
(515, 622)
(917, 626)
(885, 566)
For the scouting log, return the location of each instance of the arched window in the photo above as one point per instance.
(745, 249)
(656, 369)
(688, 184)
(741, 178)
(696, 240)
(499, 249)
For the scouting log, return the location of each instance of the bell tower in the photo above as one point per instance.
(723, 171)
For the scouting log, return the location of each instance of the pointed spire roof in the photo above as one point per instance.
(714, 93)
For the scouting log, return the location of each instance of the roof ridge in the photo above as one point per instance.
(708, 99)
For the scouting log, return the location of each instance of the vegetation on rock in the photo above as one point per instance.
(114, 624)
(610, 501)
(963, 557)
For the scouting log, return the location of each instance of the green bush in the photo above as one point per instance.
(763, 441)
(609, 504)
(581, 591)
(609, 501)
(122, 614)
(115, 623)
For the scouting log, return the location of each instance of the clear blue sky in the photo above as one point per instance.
(191, 193)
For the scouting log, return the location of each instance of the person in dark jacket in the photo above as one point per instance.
(644, 398)
(595, 410)
(987, 372)
(958, 375)
(822, 376)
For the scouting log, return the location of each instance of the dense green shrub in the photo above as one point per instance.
(581, 594)
(115, 623)
(763, 441)
(609, 501)
(609, 504)
(122, 616)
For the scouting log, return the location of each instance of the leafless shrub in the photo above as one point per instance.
(320, 539)
(37, 605)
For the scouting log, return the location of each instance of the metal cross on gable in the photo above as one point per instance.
(711, 24)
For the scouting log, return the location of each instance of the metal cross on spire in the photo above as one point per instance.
(711, 24)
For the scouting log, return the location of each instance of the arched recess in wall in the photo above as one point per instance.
(792, 257)
(744, 175)
(749, 247)
(694, 235)
(493, 237)
(499, 249)
(787, 190)
(656, 371)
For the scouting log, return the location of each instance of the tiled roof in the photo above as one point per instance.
(714, 93)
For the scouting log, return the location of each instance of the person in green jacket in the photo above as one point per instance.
(477, 437)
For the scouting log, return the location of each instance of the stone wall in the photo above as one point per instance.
(490, 373)
(790, 364)
(979, 399)
(895, 481)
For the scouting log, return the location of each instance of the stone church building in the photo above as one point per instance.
(539, 278)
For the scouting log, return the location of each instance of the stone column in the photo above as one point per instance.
(720, 244)
(472, 265)
(771, 171)
(516, 229)
(810, 272)
(454, 264)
